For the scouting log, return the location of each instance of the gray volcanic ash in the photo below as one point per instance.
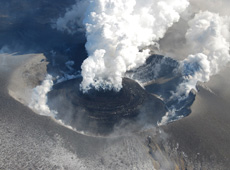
(120, 73)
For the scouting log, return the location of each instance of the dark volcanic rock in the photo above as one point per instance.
(98, 111)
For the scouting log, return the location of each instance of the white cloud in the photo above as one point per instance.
(39, 98)
(208, 38)
(117, 30)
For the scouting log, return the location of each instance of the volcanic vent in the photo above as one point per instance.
(98, 112)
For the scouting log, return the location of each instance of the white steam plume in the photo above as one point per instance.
(208, 38)
(117, 32)
(72, 21)
(39, 98)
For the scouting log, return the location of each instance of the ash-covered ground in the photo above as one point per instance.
(32, 47)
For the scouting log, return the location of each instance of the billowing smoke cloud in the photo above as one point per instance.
(39, 98)
(208, 38)
(117, 33)
(208, 42)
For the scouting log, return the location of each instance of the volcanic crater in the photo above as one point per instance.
(98, 112)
